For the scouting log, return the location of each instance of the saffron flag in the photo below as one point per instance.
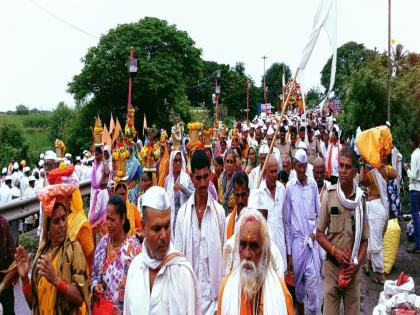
(111, 125)
(117, 131)
(106, 138)
(325, 17)
(144, 123)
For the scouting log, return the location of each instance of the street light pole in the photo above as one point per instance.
(389, 62)
(247, 102)
(265, 92)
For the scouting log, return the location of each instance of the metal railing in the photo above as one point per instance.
(21, 208)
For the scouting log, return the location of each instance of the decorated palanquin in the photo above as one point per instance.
(295, 95)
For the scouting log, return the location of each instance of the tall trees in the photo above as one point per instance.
(168, 63)
(274, 81)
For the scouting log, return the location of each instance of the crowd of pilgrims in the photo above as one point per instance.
(205, 231)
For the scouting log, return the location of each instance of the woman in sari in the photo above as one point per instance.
(378, 210)
(225, 185)
(133, 214)
(113, 257)
(133, 171)
(59, 281)
(252, 160)
(178, 185)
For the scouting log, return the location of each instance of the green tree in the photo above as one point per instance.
(351, 57)
(274, 80)
(233, 90)
(59, 119)
(22, 109)
(314, 97)
(12, 141)
(405, 108)
(366, 98)
(168, 63)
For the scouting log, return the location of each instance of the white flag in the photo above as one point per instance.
(326, 17)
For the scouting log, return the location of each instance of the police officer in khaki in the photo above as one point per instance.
(343, 216)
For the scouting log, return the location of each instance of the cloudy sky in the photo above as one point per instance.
(39, 54)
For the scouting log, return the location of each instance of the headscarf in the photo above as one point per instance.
(109, 161)
(248, 161)
(183, 180)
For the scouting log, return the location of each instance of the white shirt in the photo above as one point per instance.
(309, 172)
(334, 158)
(15, 192)
(198, 245)
(174, 282)
(24, 184)
(5, 193)
(29, 192)
(275, 216)
(414, 172)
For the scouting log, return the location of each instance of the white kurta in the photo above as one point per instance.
(275, 217)
(173, 292)
(253, 177)
(203, 246)
(24, 184)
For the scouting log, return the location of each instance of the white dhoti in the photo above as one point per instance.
(377, 218)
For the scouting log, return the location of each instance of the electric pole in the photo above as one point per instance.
(389, 63)
(264, 87)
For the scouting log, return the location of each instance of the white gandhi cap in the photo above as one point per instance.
(301, 156)
(156, 198)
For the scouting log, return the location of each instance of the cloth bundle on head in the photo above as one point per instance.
(156, 198)
(301, 156)
(63, 175)
(49, 195)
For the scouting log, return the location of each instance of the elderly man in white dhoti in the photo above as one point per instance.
(160, 280)
(275, 194)
(200, 233)
(253, 287)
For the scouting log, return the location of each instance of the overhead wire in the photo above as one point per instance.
(62, 20)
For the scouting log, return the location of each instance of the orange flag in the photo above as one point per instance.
(117, 131)
(106, 138)
(111, 125)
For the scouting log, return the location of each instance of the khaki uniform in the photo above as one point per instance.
(284, 149)
(339, 226)
(314, 149)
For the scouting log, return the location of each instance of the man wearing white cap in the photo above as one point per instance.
(255, 173)
(200, 233)
(300, 213)
(6, 190)
(24, 182)
(160, 280)
(30, 190)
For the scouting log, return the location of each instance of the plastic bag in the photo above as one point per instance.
(391, 288)
(373, 144)
(391, 244)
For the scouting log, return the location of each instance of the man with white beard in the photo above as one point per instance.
(253, 287)
(160, 280)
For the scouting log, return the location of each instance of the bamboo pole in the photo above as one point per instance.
(277, 129)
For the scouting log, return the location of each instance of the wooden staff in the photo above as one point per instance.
(278, 128)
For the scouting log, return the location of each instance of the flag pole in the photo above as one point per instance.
(247, 102)
(278, 127)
